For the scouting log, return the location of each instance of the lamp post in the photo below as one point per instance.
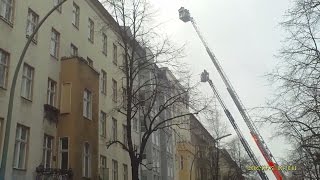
(216, 142)
(195, 155)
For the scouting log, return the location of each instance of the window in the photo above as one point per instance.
(103, 124)
(86, 160)
(74, 50)
(32, 22)
(103, 162)
(6, 10)
(114, 129)
(51, 92)
(27, 81)
(55, 43)
(64, 153)
(114, 170)
(87, 104)
(47, 151)
(4, 65)
(124, 98)
(91, 30)
(115, 54)
(20, 147)
(125, 172)
(105, 44)
(103, 168)
(55, 3)
(103, 82)
(114, 90)
(135, 124)
(1, 131)
(75, 15)
(90, 62)
(181, 162)
(124, 129)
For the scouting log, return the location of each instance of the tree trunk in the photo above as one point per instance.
(135, 169)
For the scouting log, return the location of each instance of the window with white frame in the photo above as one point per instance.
(114, 170)
(55, 3)
(90, 30)
(32, 22)
(64, 153)
(73, 50)
(103, 121)
(125, 172)
(4, 68)
(86, 160)
(1, 131)
(104, 43)
(114, 90)
(27, 81)
(51, 92)
(20, 147)
(124, 98)
(87, 103)
(75, 15)
(90, 61)
(103, 82)
(54, 43)
(47, 151)
(103, 168)
(103, 162)
(6, 10)
(114, 129)
(115, 54)
(181, 162)
(135, 124)
(124, 129)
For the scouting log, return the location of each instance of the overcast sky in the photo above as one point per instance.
(245, 36)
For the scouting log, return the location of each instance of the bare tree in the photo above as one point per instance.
(150, 93)
(295, 107)
(239, 155)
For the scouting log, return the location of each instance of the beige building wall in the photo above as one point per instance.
(30, 113)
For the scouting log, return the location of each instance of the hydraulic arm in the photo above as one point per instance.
(205, 78)
(184, 15)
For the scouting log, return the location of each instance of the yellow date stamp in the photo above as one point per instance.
(271, 168)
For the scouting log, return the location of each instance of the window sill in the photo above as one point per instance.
(18, 169)
(89, 119)
(91, 41)
(3, 88)
(34, 41)
(75, 26)
(26, 99)
(103, 136)
(7, 21)
(53, 57)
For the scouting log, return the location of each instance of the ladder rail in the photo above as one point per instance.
(253, 129)
(239, 133)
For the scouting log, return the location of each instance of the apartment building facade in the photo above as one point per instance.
(67, 88)
(208, 160)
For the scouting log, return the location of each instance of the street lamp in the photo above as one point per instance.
(216, 142)
(195, 155)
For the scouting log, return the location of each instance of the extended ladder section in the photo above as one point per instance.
(184, 15)
(205, 78)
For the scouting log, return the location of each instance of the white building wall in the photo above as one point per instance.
(30, 114)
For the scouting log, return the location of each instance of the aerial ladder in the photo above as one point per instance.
(184, 15)
(205, 78)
